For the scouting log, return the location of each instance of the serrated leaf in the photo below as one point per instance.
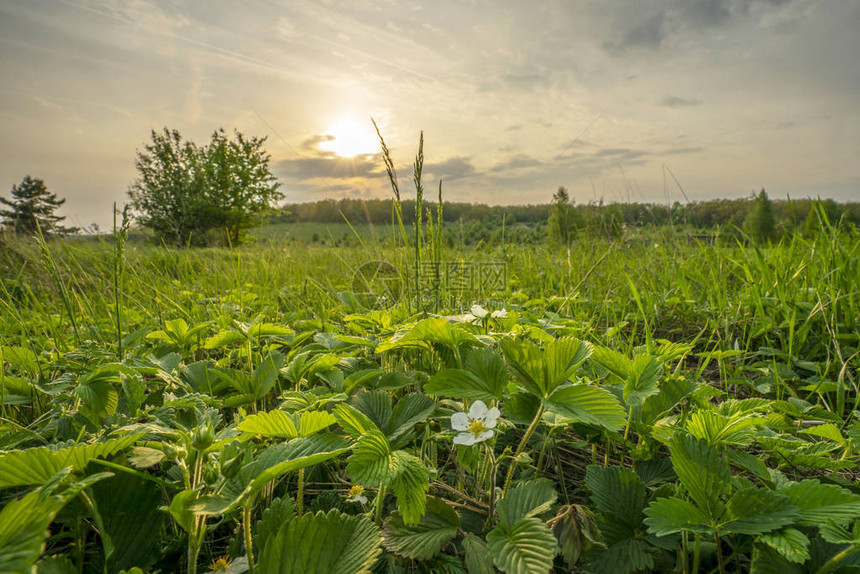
(822, 503)
(542, 371)
(424, 540)
(484, 377)
(409, 411)
(642, 379)
(828, 431)
(703, 471)
(717, 429)
(128, 507)
(526, 500)
(372, 463)
(588, 404)
(478, 559)
(23, 529)
(354, 422)
(37, 465)
(272, 423)
(766, 560)
(277, 513)
(669, 515)
(144, 457)
(792, 544)
(322, 544)
(525, 547)
(376, 405)
(617, 491)
(426, 331)
(410, 487)
(758, 511)
(624, 557)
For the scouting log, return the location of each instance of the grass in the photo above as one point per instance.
(664, 336)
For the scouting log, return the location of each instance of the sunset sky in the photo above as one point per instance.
(727, 96)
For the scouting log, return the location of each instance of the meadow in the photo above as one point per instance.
(654, 402)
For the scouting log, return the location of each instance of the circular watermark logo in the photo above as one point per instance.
(377, 284)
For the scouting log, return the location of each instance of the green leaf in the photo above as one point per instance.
(671, 392)
(703, 471)
(484, 378)
(376, 405)
(278, 512)
(23, 528)
(272, 423)
(624, 557)
(129, 509)
(526, 500)
(524, 547)
(588, 404)
(670, 515)
(477, 555)
(828, 431)
(642, 379)
(37, 465)
(617, 491)
(792, 544)
(542, 371)
(617, 364)
(372, 462)
(757, 511)
(354, 422)
(766, 560)
(716, 429)
(410, 487)
(425, 539)
(144, 457)
(409, 411)
(303, 452)
(322, 544)
(266, 374)
(822, 503)
(433, 330)
(223, 339)
(180, 508)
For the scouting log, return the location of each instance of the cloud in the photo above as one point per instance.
(451, 168)
(647, 34)
(518, 162)
(679, 102)
(315, 163)
(705, 13)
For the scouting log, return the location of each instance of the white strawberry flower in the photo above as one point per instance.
(356, 494)
(476, 426)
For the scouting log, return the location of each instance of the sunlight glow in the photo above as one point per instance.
(351, 138)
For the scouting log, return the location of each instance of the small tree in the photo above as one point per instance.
(183, 191)
(760, 222)
(32, 208)
(563, 221)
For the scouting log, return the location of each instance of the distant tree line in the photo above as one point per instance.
(606, 218)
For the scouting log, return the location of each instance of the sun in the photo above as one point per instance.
(351, 138)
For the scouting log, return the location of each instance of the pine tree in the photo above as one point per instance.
(32, 208)
(760, 223)
(563, 221)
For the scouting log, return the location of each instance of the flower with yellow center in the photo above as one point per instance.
(356, 494)
(476, 426)
(221, 564)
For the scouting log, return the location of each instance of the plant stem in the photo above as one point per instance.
(380, 496)
(719, 553)
(249, 543)
(520, 448)
(301, 493)
(828, 566)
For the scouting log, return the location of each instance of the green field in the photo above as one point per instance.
(667, 401)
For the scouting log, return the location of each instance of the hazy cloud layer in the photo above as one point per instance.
(734, 95)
